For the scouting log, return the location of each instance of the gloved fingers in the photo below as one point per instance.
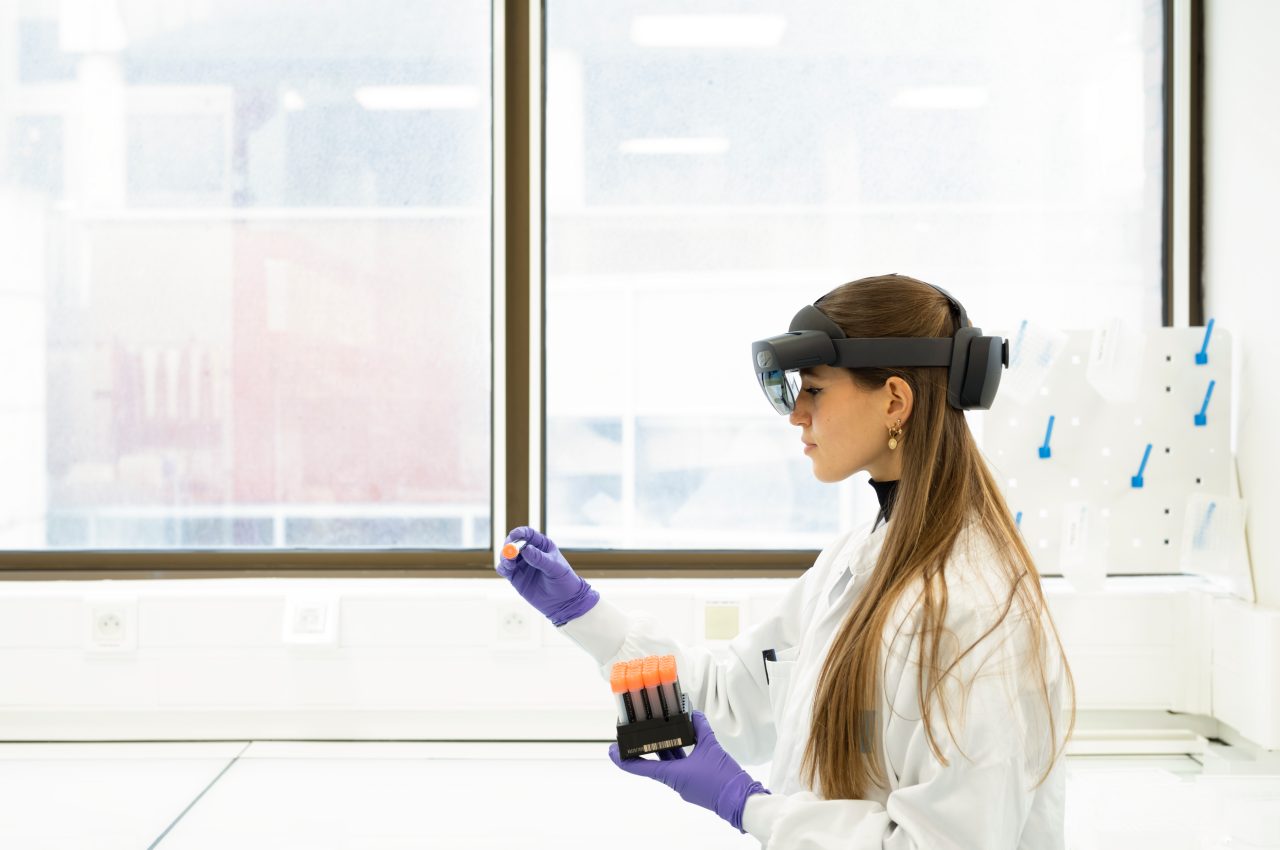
(548, 565)
(671, 754)
(522, 532)
(638, 766)
(507, 567)
(536, 545)
(535, 538)
(706, 738)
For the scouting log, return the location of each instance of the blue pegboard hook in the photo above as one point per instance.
(1201, 418)
(1044, 450)
(1136, 481)
(1202, 356)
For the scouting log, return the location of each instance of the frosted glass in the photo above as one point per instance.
(252, 265)
(713, 168)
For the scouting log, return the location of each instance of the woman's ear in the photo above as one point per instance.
(900, 398)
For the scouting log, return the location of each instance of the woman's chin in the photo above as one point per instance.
(828, 475)
(824, 475)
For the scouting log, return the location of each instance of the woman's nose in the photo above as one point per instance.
(799, 414)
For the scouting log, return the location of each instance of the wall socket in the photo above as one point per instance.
(515, 626)
(311, 620)
(111, 624)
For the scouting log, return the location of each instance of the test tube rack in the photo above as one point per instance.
(652, 736)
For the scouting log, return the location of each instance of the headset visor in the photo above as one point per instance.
(781, 388)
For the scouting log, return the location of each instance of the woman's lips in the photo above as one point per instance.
(808, 447)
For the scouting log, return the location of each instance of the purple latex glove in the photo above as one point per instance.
(544, 578)
(709, 777)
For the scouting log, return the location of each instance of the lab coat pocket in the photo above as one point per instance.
(779, 675)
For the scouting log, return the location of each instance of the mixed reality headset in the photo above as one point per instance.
(973, 361)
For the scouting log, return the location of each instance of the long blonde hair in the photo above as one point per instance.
(945, 485)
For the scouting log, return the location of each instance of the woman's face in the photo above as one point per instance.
(845, 428)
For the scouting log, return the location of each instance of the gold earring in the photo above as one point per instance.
(894, 433)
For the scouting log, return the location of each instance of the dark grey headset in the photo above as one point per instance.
(973, 361)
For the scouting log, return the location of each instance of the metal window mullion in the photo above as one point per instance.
(518, 268)
(535, 280)
(499, 458)
(1195, 164)
(1178, 125)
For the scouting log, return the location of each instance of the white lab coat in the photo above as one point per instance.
(984, 801)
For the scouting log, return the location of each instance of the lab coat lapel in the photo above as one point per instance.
(857, 568)
(827, 615)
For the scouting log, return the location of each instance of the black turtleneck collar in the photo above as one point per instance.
(885, 491)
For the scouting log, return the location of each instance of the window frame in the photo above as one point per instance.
(518, 362)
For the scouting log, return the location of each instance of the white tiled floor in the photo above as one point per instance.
(100, 796)
(353, 796)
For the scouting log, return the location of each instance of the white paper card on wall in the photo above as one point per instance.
(1115, 360)
(721, 619)
(1080, 555)
(1032, 353)
(1213, 543)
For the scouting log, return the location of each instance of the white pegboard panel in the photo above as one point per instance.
(1138, 450)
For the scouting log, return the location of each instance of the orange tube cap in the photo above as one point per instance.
(618, 678)
(635, 674)
(666, 669)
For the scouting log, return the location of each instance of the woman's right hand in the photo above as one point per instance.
(544, 578)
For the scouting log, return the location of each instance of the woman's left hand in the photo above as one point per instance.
(708, 777)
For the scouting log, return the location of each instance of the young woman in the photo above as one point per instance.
(911, 690)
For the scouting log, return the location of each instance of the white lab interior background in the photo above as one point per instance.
(246, 303)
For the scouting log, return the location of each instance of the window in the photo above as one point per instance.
(247, 304)
(713, 167)
(251, 262)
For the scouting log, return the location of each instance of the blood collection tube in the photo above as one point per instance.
(652, 687)
(618, 681)
(635, 684)
(670, 682)
(511, 550)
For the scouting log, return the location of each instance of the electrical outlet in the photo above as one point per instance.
(311, 620)
(111, 624)
(515, 626)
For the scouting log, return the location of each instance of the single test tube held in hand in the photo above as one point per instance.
(512, 549)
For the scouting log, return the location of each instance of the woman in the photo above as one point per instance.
(911, 689)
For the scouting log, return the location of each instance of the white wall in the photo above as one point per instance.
(1242, 247)
(429, 659)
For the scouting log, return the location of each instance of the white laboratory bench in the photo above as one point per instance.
(467, 796)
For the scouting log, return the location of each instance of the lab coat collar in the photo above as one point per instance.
(858, 559)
